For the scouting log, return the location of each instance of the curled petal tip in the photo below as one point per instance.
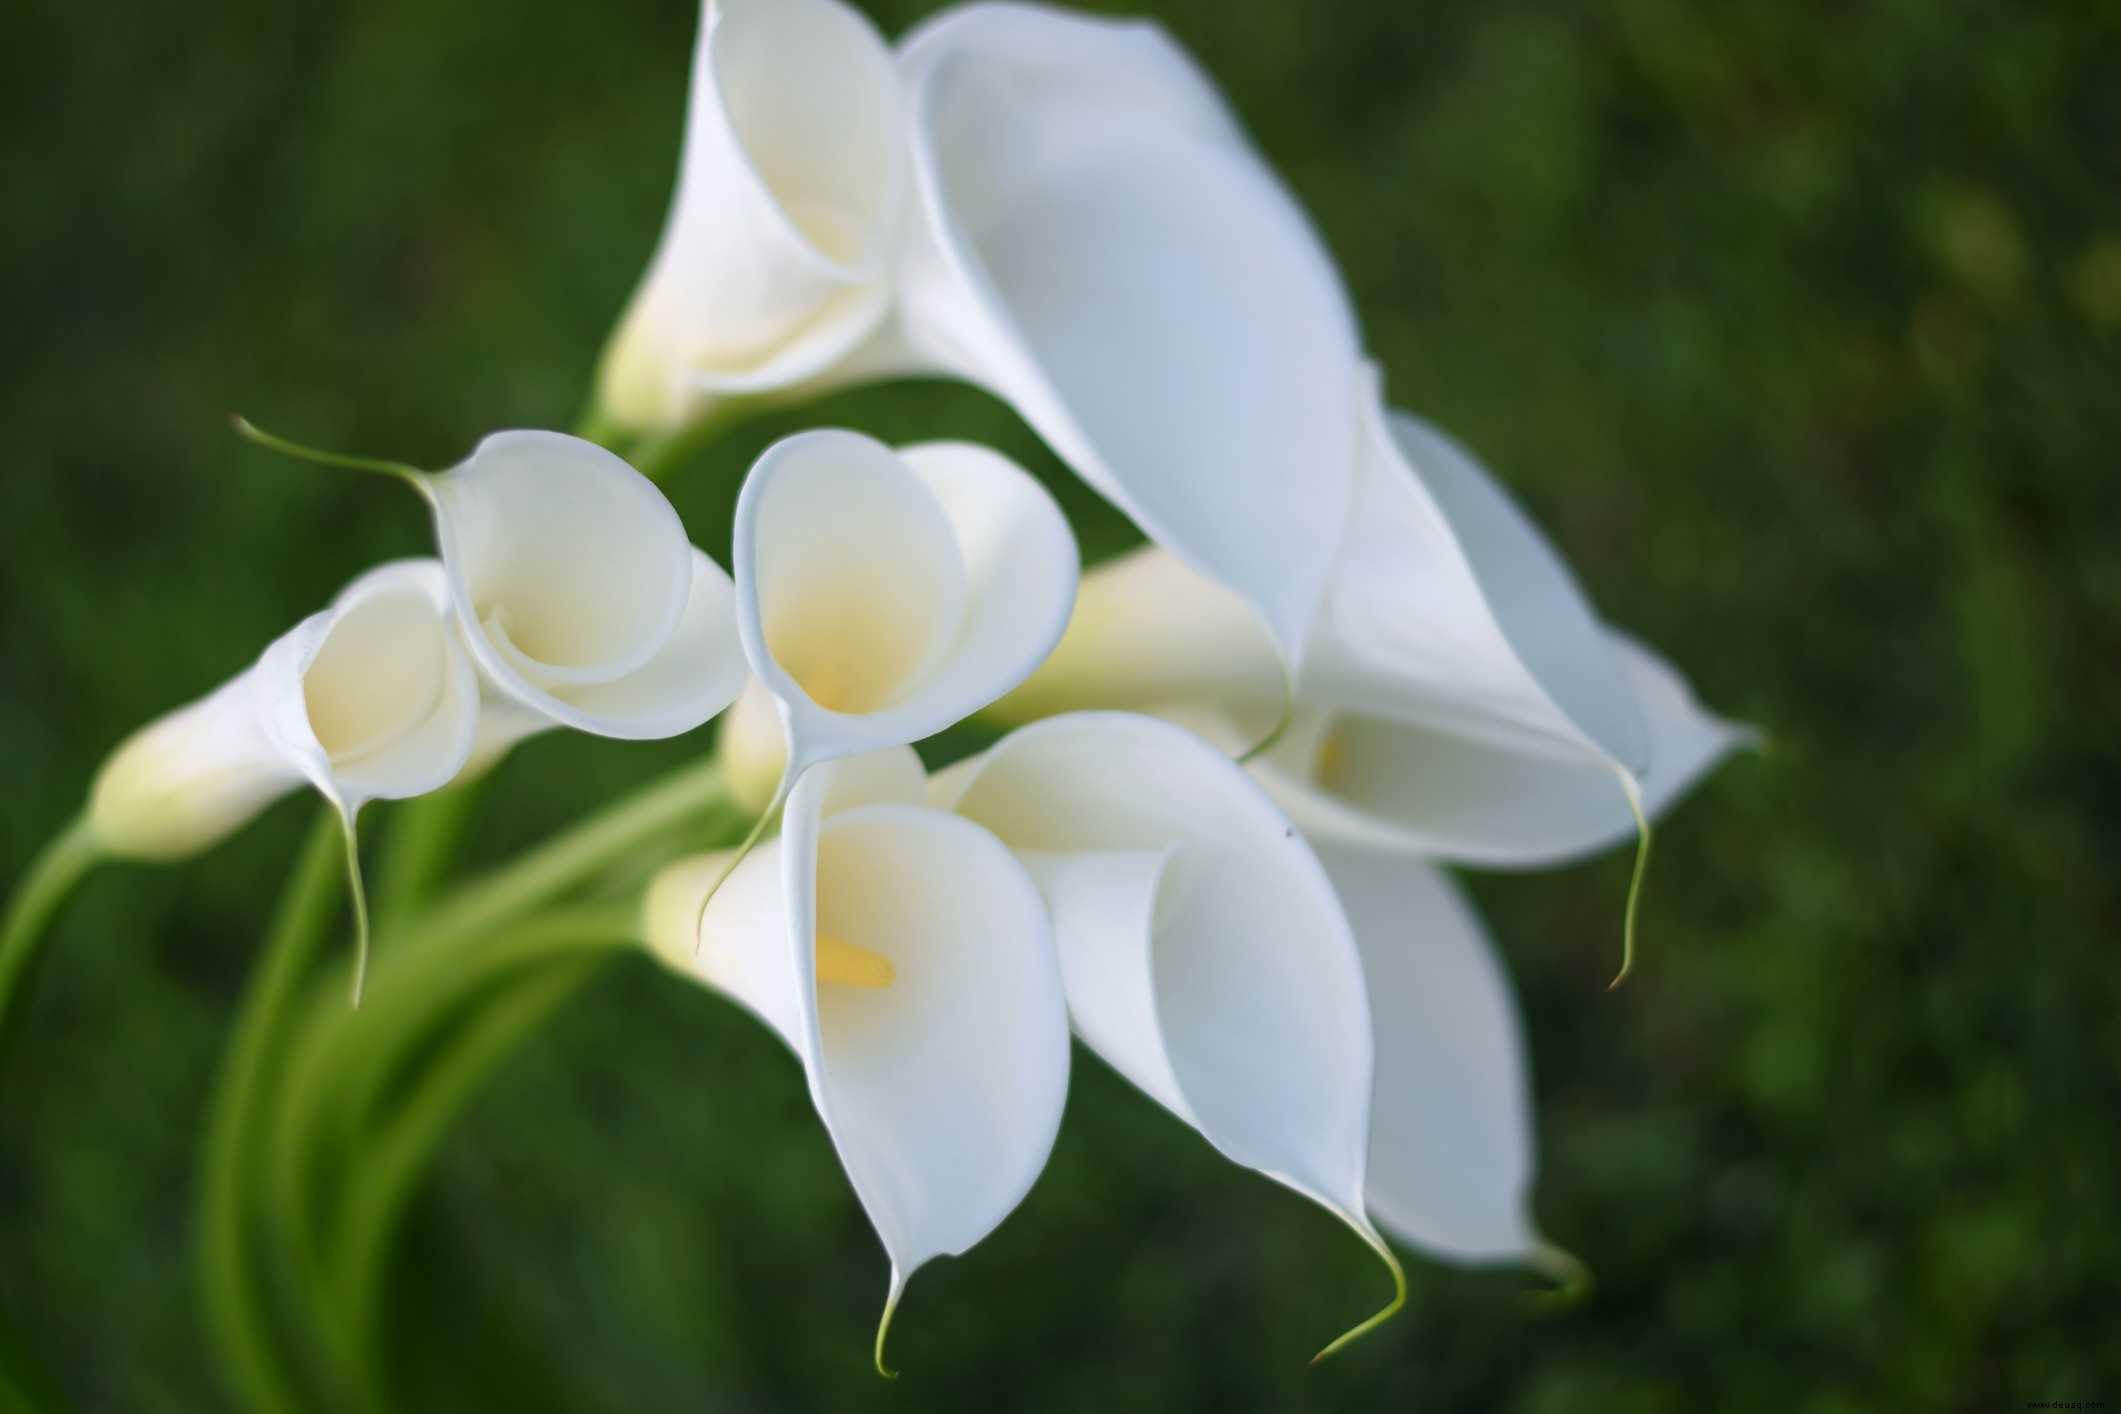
(357, 895)
(1642, 865)
(1573, 1281)
(883, 1330)
(250, 432)
(1281, 725)
(1399, 1300)
(743, 851)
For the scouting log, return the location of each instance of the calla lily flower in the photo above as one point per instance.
(373, 698)
(1100, 244)
(1449, 607)
(579, 597)
(1408, 787)
(1059, 209)
(882, 595)
(1459, 699)
(1451, 1145)
(1202, 950)
(905, 956)
(778, 256)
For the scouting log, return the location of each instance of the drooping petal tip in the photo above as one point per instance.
(1392, 1308)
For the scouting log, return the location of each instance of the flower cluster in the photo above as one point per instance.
(1207, 844)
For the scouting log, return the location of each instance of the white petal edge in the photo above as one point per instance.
(188, 779)
(774, 262)
(1147, 631)
(577, 594)
(1098, 243)
(1246, 966)
(1449, 607)
(1419, 791)
(1452, 1152)
(918, 586)
(976, 1011)
(942, 1091)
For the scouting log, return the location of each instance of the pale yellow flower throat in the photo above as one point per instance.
(852, 966)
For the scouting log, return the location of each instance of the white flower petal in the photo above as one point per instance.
(1245, 967)
(577, 593)
(191, 778)
(1100, 245)
(883, 596)
(1451, 1144)
(1368, 780)
(1103, 904)
(940, 1072)
(774, 263)
(390, 697)
(1449, 608)
(1148, 631)
(944, 1090)
(372, 698)
(1021, 565)
(696, 674)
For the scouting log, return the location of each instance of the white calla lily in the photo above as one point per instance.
(1410, 787)
(373, 698)
(778, 255)
(1449, 607)
(1098, 242)
(1452, 1152)
(1459, 698)
(905, 956)
(578, 595)
(882, 595)
(1202, 950)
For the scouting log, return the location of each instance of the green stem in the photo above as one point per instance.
(393, 1161)
(340, 1072)
(660, 457)
(239, 1311)
(369, 1096)
(419, 848)
(351, 1067)
(43, 889)
(563, 862)
(599, 426)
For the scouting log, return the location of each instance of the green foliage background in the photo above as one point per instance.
(1798, 324)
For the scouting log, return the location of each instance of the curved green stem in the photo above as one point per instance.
(233, 1280)
(394, 1161)
(563, 862)
(419, 847)
(660, 457)
(40, 893)
(337, 1076)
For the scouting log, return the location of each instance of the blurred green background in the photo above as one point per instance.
(1798, 324)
